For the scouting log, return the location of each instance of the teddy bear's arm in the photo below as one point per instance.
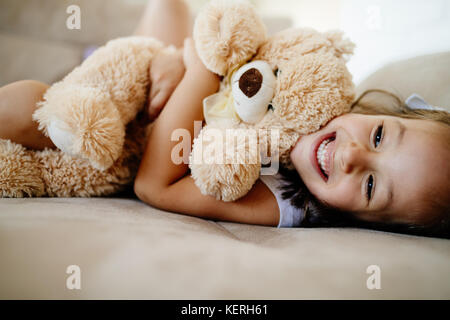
(85, 114)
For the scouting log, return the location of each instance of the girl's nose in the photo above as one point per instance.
(353, 158)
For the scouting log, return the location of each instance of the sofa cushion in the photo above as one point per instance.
(426, 75)
(27, 58)
(126, 249)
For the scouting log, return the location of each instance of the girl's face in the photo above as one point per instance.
(381, 168)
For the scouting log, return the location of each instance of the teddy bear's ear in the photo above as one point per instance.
(227, 33)
(344, 47)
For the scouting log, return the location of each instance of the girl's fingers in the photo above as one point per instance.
(154, 90)
(157, 103)
(188, 48)
(188, 42)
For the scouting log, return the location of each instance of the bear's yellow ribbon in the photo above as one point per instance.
(220, 106)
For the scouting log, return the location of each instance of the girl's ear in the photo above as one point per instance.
(344, 47)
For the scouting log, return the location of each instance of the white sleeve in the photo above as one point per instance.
(290, 216)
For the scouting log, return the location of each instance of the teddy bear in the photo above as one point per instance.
(91, 116)
(273, 90)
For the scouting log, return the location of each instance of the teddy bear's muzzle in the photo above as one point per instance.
(247, 98)
(253, 87)
(250, 82)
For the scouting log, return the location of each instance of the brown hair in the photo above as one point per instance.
(389, 104)
(318, 214)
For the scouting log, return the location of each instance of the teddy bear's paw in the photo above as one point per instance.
(99, 138)
(61, 137)
(225, 182)
(225, 163)
(19, 175)
(83, 122)
(227, 33)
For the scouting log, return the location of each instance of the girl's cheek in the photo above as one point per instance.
(341, 196)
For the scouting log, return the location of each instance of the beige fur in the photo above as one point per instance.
(27, 173)
(90, 114)
(94, 104)
(313, 87)
(97, 100)
(228, 33)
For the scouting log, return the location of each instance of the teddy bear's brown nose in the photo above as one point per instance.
(250, 82)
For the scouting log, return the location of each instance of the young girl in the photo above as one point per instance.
(379, 168)
(386, 168)
(391, 171)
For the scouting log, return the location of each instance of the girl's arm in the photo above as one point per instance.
(17, 105)
(163, 184)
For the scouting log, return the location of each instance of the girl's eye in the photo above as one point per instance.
(378, 136)
(369, 188)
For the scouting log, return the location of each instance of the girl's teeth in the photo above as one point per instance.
(321, 153)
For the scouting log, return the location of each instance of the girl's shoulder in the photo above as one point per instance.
(290, 216)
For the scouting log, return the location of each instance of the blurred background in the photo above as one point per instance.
(36, 44)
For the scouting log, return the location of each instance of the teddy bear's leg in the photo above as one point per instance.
(84, 122)
(65, 176)
(225, 163)
(20, 175)
(85, 114)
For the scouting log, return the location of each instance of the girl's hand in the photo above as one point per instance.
(191, 58)
(166, 71)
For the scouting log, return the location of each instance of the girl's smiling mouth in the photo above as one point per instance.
(322, 155)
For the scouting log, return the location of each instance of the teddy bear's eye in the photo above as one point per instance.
(270, 107)
(276, 72)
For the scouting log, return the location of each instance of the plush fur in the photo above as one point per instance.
(90, 114)
(94, 109)
(313, 86)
